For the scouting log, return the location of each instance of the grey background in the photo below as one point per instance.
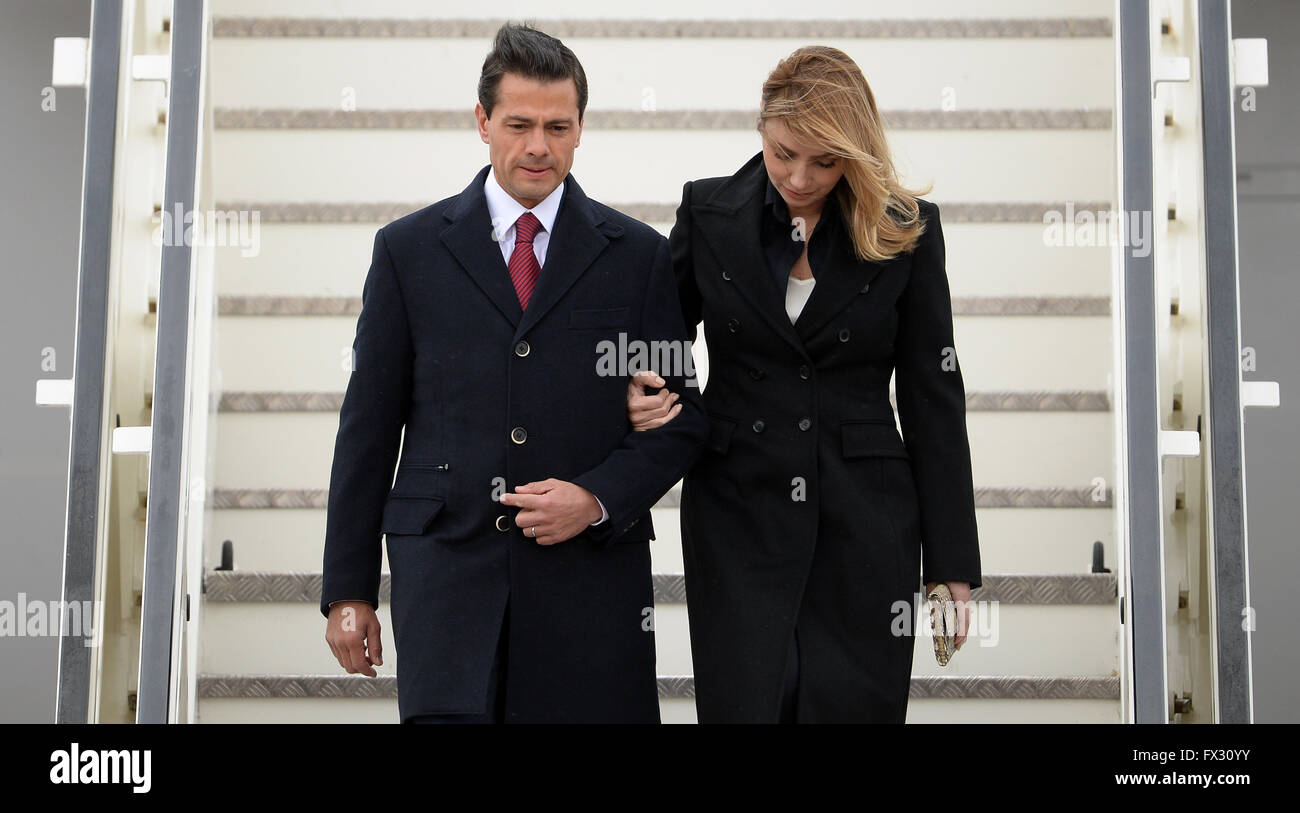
(40, 193)
(1268, 222)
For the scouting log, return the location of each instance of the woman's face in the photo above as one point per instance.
(804, 174)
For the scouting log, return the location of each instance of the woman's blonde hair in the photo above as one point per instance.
(821, 96)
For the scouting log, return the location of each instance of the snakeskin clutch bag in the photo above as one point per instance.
(943, 623)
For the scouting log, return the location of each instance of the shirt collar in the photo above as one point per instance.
(777, 208)
(505, 210)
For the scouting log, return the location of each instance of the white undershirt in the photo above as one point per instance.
(797, 292)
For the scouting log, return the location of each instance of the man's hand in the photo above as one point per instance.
(352, 628)
(961, 596)
(553, 510)
(649, 411)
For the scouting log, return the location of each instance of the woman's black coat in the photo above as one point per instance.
(807, 509)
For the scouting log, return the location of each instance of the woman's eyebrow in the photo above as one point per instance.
(794, 154)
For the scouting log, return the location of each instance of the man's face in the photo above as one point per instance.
(531, 136)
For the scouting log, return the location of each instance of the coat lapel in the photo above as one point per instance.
(469, 239)
(729, 220)
(843, 279)
(578, 239)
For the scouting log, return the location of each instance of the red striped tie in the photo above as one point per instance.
(523, 262)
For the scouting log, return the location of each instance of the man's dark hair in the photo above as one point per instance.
(523, 50)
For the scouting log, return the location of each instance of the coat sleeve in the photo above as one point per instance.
(679, 241)
(375, 409)
(932, 412)
(646, 464)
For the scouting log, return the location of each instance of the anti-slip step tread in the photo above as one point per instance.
(976, 401)
(670, 588)
(288, 118)
(385, 212)
(370, 28)
(980, 687)
(985, 497)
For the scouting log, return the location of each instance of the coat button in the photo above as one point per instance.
(759, 426)
(503, 523)
(734, 325)
(844, 334)
(726, 275)
(757, 375)
(804, 372)
(522, 349)
(865, 287)
(804, 424)
(519, 434)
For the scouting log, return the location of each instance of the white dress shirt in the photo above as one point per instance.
(505, 210)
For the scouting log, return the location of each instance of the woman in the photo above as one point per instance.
(808, 524)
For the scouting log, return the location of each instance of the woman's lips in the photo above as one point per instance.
(795, 194)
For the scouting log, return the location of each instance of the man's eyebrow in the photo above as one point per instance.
(792, 153)
(513, 117)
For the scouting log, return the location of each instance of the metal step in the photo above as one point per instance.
(379, 213)
(1029, 540)
(986, 259)
(1086, 497)
(1003, 687)
(262, 305)
(1011, 611)
(1043, 353)
(293, 118)
(986, 401)
(670, 588)
(963, 164)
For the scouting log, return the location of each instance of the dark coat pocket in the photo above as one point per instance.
(410, 515)
(873, 438)
(720, 432)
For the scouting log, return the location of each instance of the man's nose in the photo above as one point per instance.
(537, 141)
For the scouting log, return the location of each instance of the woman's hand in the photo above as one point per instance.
(961, 597)
(649, 411)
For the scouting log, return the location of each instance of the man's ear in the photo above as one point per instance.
(480, 115)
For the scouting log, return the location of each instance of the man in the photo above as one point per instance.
(518, 522)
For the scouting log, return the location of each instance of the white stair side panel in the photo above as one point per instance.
(309, 710)
(303, 710)
(646, 165)
(945, 710)
(672, 9)
(442, 74)
(983, 259)
(1048, 640)
(1012, 540)
(1039, 353)
(1008, 449)
(674, 710)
